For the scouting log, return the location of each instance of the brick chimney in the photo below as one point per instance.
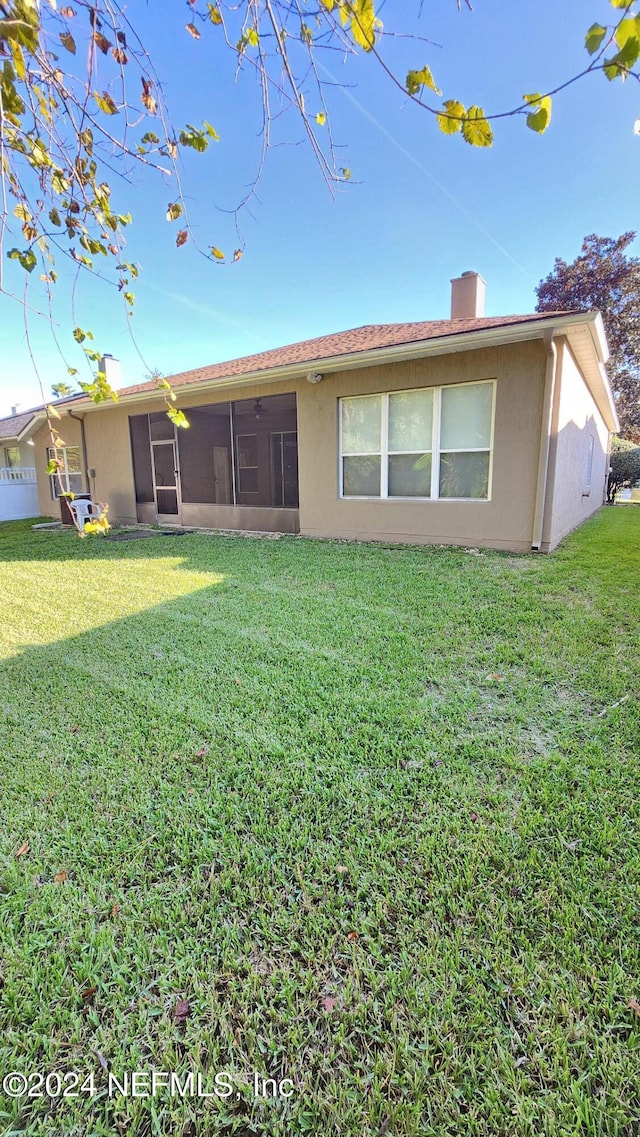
(467, 296)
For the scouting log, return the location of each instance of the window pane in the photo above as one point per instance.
(160, 427)
(361, 477)
(464, 475)
(466, 416)
(410, 420)
(74, 483)
(73, 459)
(248, 479)
(361, 425)
(12, 456)
(247, 450)
(164, 464)
(410, 475)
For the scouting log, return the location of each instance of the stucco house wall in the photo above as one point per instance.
(505, 521)
(578, 466)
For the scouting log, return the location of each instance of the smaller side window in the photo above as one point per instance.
(69, 476)
(11, 457)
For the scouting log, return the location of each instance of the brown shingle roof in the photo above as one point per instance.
(13, 425)
(367, 338)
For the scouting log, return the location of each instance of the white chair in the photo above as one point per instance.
(84, 510)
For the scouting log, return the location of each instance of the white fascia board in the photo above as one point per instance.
(31, 427)
(599, 337)
(613, 421)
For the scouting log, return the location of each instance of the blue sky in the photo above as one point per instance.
(420, 209)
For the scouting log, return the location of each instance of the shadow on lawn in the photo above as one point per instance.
(296, 795)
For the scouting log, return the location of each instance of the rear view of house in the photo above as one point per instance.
(476, 430)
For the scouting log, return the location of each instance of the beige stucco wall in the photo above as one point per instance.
(69, 431)
(576, 419)
(504, 522)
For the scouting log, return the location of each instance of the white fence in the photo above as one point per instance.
(18, 493)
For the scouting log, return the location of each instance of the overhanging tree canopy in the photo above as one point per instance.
(81, 104)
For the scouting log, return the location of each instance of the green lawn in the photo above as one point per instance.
(357, 805)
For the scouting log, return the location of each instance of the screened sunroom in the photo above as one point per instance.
(235, 467)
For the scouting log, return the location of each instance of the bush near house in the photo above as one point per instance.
(624, 467)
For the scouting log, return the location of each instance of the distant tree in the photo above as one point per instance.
(61, 390)
(603, 276)
(624, 469)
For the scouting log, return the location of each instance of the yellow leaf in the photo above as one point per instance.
(418, 79)
(451, 120)
(321, 118)
(363, 23)
(18, 60)
(476, 130)
(539, 118)
(253, 37)
(217, 253)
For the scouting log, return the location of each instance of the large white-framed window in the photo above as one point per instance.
(428, 443)
(69, 476)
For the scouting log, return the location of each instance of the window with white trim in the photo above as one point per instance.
(431, 443)
(69, 476)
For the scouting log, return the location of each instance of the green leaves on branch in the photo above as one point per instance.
(198, 139)
(450, 122)
(360, 17)
(105, 103)
(594, 38)
(538, 119)
(472, 123)
(100, 390)
(627, 38)
(416, 80)
(178, 418)
(476, 130)
(26, 257)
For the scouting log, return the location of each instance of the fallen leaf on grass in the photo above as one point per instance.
(60, 877)
(74, 729)
(87, 995)
(352, 937)
(493, 677)
(115, 908)
(181, 1012)
(634, 1006)
(24, 849)
(102, 1060)
(520, 1062)
(342, 869)
(329, 1003)
(202, 751)
(473, 816)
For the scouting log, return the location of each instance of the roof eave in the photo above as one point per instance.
(440, 345)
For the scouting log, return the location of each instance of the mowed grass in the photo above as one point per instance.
(371, 812)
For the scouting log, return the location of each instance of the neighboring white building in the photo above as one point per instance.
(18, 486)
